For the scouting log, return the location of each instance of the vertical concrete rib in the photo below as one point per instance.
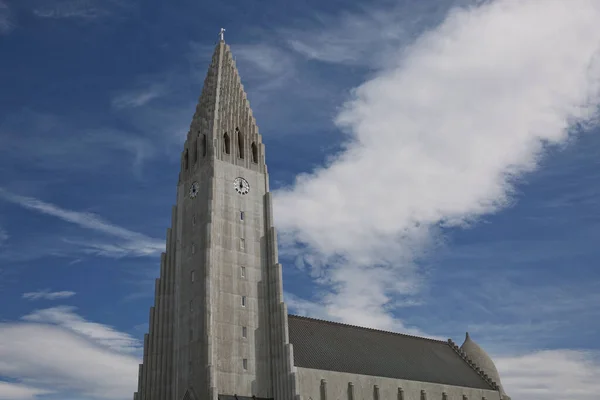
(152, 347)
(166, 350)
(144, 394)
(160, 330)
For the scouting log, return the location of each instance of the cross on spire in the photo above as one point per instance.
(222, 34)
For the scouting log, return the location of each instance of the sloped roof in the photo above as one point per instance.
(338, 347)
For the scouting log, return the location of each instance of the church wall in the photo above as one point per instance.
(363, 387)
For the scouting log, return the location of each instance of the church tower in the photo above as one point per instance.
(219, 327)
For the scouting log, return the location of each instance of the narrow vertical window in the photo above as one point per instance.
(254, 153)
(400, 394)
(244, 332)
(444, 396)
(195, 153)
(242, 244)
(193, 276)
(193, 248)
(241, 215)
(191, 305)
(245, 363)
(240, 136)
(186, 159)
(465, 397)
(243, 272)
(423, 395)
(226, 144)
(204, 145)
(243, 301)
(350, 391)
(194, 219)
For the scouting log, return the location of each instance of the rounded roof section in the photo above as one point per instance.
(482, 360)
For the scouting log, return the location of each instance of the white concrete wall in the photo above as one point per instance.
(337, 384)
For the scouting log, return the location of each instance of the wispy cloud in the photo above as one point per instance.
(48, 295)
(78, 9)
(370, 37)
(6, 19)
(106, 336)
(134, 243)
(3, 236)
(56, 142)
(436, 116)
(138, 97)
(59, 352)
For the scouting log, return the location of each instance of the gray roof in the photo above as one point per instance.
(338, 347)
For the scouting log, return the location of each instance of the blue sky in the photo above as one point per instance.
(434, 166)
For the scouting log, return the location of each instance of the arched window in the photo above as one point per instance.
(186, 159)
(254, 153)
(204, 145)
(226, 144)
(240, 136)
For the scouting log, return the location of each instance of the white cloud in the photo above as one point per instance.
(551, 374)
(135, 244)
(62, 353)
(12, 391)
(436, 137)
(48, 295)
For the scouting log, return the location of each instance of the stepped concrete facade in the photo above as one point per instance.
(219, 328)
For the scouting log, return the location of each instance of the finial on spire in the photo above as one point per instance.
(222, 35)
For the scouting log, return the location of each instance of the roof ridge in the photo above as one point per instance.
(367, 329)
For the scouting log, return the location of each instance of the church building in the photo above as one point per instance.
(219, 328)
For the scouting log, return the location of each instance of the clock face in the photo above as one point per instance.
(194, 189)
(241, 186)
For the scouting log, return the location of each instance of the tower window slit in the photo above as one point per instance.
(186, 159)
(193, 276)
(254, 153)
(241, 215)
(243, 272)
(240, 136)
(243, 301)
(245, 363)
(244, 332)
(195, 158)
(204, 145)
(226, 144)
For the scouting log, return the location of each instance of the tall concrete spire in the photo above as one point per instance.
(219, 324)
